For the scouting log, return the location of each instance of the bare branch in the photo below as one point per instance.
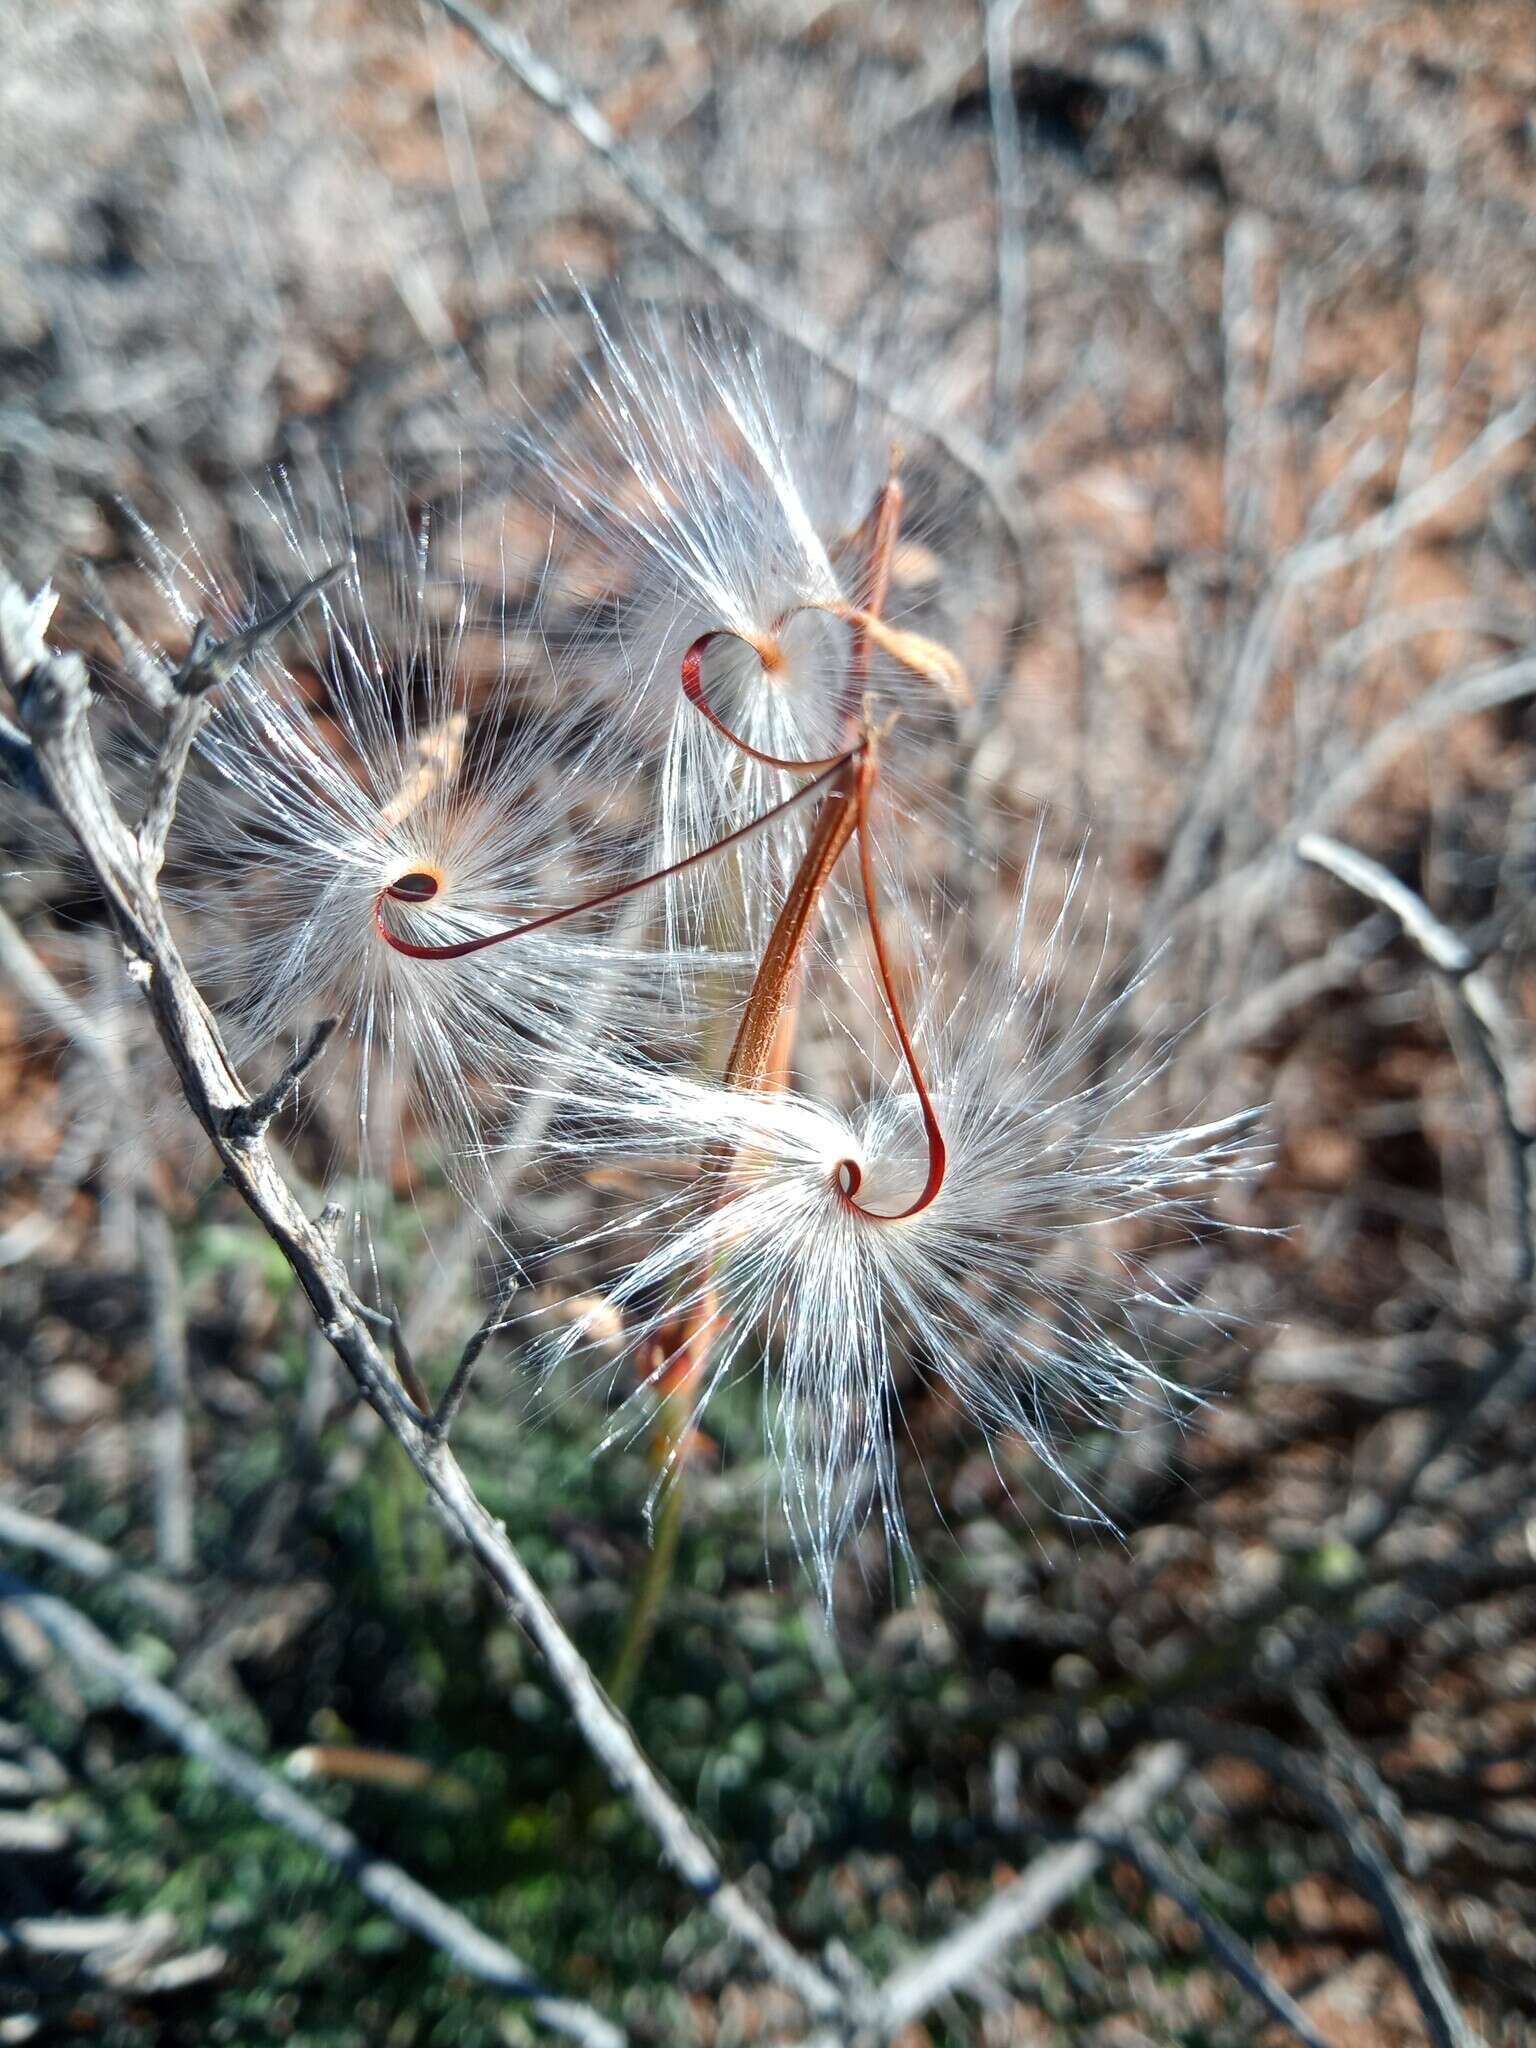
(1484, 1405)
(453, 1398)
(1489, 1031)
(1439, 945)
(1464, 695)
(1336, 966)
(171, 1606)
(208, 663)
(1315, 556)
(1485, 688)
(405, 1367)
(150, 676)
(1225, 1943)
(186, 715)
(250, 1123)
(1353, 1765)
(1411, 1942)
(389, 1887)
(52, 695)
(917, 1986)
(1506, 430)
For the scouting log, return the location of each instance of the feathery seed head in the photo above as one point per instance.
(748, 524)
(379, 778)
(1018, 1291)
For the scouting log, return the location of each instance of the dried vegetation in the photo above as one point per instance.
(1237, 502)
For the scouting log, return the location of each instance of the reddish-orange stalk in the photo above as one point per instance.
(751, 1056)
(760, 1055)
(844, 811)
(764, 1039)
(882, 526)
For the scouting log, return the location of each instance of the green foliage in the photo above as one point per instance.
(843, 1770)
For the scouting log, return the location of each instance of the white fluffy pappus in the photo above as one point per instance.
(381, 768)
(1027, 1294)
(729, 498)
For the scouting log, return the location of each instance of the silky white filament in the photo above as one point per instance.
(724, 496)
(383, 765)
(1021, 1294)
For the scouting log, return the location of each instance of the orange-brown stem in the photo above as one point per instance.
(881, 528)
(752, 1054)
(751, 1059)
(764, 1045)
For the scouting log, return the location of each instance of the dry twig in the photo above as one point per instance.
(917, 1986)
(52, 697)
(1410, 1940)
(1225, 1944)
(1318, 554)
(171, 1606)
(389, 1887)
(1489, 1031)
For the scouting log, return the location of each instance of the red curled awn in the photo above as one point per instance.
(419, 885)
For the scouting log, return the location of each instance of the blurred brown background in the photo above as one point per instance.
(1228, 313)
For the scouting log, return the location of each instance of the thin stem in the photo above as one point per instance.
(764, 1039)
(750, 1061)
(640, 1626)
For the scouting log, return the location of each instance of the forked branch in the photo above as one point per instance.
(389, 1887)
(54, 752)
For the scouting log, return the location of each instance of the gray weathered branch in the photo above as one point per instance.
(389, 1887)
(917, 1986)
(1315, 556)
(52, 698)
(172, 1606)
(252, 1122)
(1489, 1032)
(1224, 1942)
(1410, 1940)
